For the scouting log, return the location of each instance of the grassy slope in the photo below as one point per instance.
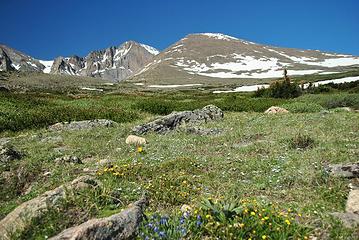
(251, 159)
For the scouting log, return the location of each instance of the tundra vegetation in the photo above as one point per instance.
(261, 177)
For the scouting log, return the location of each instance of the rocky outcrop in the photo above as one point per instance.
(344, 170)
(119, 226)
(274, 110)
(61, 66)
(20, 218)
(5, 62)
(175, 119)
(81, 125)
(113, 63)
(11, 59)
(350, 217)
(8, 153)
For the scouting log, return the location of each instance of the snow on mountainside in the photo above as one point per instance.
(214, 55)
(113, 63)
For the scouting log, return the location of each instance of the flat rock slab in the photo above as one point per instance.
(352, 205)
(20, 218)
(349, 220)
(175, 119)
(344, 170)
(80, 125)
(120, 226)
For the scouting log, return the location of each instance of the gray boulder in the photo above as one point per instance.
(20, 218)
(344, 170)
(8, 153)
(175, 119)
(79, 125)
(119, 226)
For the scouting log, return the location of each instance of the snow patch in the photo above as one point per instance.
(174, 86)
(92, 89)
(219, 36)
(150, 49)
(47, 65)
(250, 88)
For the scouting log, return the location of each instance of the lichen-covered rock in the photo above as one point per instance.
(118, 226)
(350, 170)
(68, 159)
(175, 119)
(349, 220)
(79, 125)
(20, 218)
(274, 109)
(8, 153)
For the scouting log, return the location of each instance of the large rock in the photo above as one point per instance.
(20, 218)
(175, 119)
(118, 226)
(135, 140)
(348, 219)
(274, 110)
(352, 205)
(5, 62)
(350, 170)
(79, 125)
(8, 153)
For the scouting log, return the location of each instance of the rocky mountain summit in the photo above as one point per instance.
(11, 59)
(113, 63)
(206, 57)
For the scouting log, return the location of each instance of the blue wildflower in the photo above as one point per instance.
(162, 234)
(199, 223)
(164, 220)
(156, 229)
(182, 220)
(199, 217)
(183, 231)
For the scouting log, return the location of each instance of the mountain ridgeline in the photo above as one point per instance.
(197, 58)
(111, 64)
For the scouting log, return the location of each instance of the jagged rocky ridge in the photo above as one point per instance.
(113, 63)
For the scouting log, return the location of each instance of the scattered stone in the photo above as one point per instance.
(8, 153)
(54, 139)
(20, 218)
(46, 174)
(203, 131)
(4, 141)
(135, 140)
(68, 159)
(274, 109)
(105, 163)
(4, 89)
(175, 119)
(352, 205)
(344, 170)
(349, 220)
(123, 225)
(79, 125)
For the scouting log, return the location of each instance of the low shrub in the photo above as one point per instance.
(301, 107)
(301, 141)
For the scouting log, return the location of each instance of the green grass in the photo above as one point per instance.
(253, 158)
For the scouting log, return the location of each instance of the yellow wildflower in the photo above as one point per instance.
(287, 222)
(264, 237)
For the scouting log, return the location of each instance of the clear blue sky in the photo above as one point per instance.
(48, 28)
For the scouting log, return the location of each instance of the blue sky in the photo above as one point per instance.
(48, 28)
